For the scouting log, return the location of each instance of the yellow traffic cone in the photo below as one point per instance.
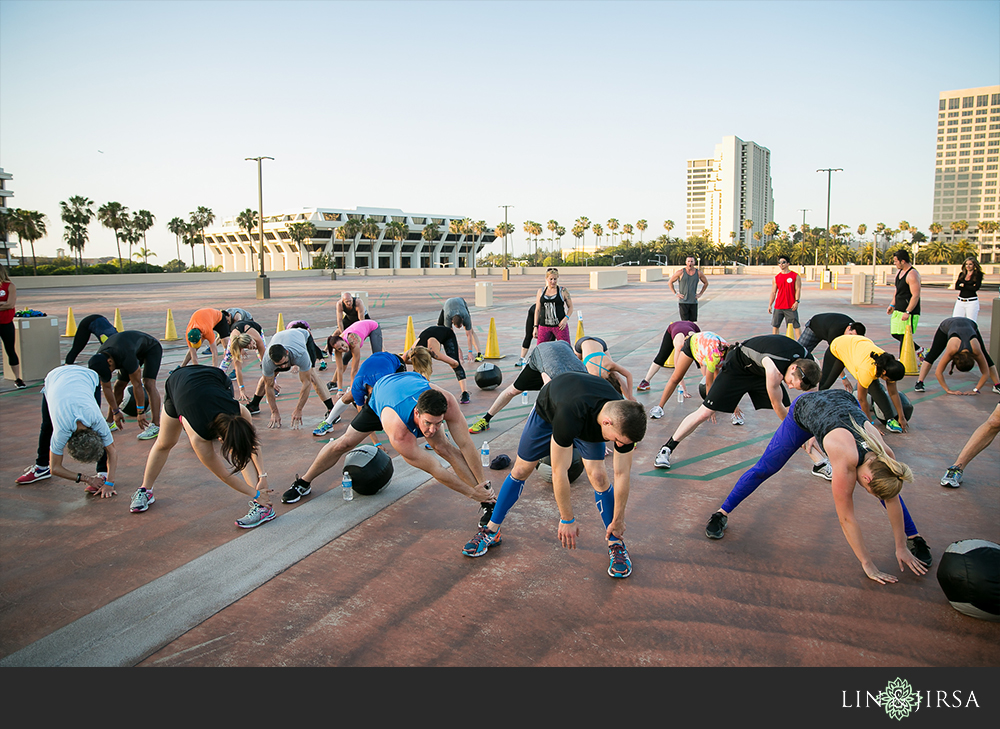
(790, 332)
(170, 335)
(70, 324)
(670, 360)
(909, 354)
(492, 345)
(411, 337)
(118, 321)
(281, 322)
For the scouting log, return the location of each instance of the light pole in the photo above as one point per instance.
(505, 228)
(829, 179)
(263, 282)
(804, 211)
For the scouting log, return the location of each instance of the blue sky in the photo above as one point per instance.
(561, 109)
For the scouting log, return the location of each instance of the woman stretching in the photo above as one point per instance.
(593, 352)
(957, 340)
(706, 350)
(246, 334)
(673, 338)
(199, 400)
(553, 308)
(857, 455)
(969, 280)
(869, 364)
(346, 347)
(529, 331)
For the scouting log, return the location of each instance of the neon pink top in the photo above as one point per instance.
(361, 329)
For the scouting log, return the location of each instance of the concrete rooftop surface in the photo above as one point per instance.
(381, 580)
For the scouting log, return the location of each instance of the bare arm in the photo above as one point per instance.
(306, 379)
(798, 293)
(114, 412)
(844, 477)
(562, 458)
(672, 280)
(569, 305)
(11, 302)
(773, 380)
(704, 281)
(272, 400)
(774, 292)
(140, 398)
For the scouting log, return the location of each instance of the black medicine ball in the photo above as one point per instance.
(129, 405)
(370, 469)
(488, 376)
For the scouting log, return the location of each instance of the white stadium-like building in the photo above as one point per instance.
(402, 240)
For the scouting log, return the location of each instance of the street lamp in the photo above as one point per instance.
(829, 179)
(263, 283)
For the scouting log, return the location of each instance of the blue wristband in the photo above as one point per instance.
(109, 483)
(563, 521)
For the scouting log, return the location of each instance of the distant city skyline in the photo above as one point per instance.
(558, 109)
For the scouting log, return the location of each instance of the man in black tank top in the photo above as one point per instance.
(905, 307)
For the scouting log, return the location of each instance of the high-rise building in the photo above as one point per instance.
(725, 191)
(965, 170)
(6, 245)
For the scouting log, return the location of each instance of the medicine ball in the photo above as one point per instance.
(883, 417)
(129, 405)
(544, 468)
(488, 376)
(969, 574)
(370, 469)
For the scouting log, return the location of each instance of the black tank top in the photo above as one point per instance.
(903, 293)
(553, 309)
(826, 410)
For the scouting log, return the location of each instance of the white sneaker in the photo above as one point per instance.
(823, 470)
(662, 458)
(150, 432)
(656, 412)
(737, 419)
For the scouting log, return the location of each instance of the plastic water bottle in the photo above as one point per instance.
(485, 453)
(680, 394)
(524, 397)
(348, 487)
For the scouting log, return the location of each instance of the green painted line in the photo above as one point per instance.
(707, 477)
(720, 451)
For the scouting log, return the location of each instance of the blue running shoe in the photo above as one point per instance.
(323, 429)
(893, 426)
(621, 565)
(484, 539)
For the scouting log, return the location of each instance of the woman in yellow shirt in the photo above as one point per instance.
(869, 363)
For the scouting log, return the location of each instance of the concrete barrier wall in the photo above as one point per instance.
(650, 274)
(112, 279)
(608, 279)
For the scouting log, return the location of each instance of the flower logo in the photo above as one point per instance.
(899, 699)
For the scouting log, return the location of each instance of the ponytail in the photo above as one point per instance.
(237, 344)
(239, 439)
(888, 474)
(887, 366)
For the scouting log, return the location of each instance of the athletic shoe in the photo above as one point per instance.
(737, 419)
(232, 375)
(322, 365)
(823, 470)
(920, 354)
(19, 384)
(258, 515)
(141, 500)
(206, 350)
(149, 433)
(643, 386)
(465, 398)
(918, 386)
(656, 412)
(894, 426)
(331, 386)
(480, 425)
(621, 565)
(323, 429)
(519, 363)
(480, 357)
(112, 426)
(254, 409)
(952, 477)
(428, 447)
(996, 389)
(485, 513)
(299, 489)
(716, 526)
(919, 549)
(662, 458)
(484, 539)
(34, 473)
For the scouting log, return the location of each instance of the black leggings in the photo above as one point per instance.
(93, 324)
(941, 341)
(45, 437)
(529, 328)
(7, 335)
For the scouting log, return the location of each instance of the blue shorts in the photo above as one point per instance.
(536, 441)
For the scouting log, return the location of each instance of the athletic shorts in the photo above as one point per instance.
(688, 312)
(898, 326)
(150, 361)
(367, 420)
(529, 379)
(731, 384)
(536, 442)
(787, 315)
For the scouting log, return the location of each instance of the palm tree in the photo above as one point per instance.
(192, 237)
(747, 225)
(301, 232)
(431, 233)
(552, 225)
(641, 226)
(627, 231)
(598, 231)
(201, 219)
(143, 222)
(144, 253)
(247, 220)
(77, 214)
(962, 250)
(131, 234)
(351, 229)
(578, 231)
(111, 215)
(770, 229)
(29, 226)
(370, 231)
(613, 227)
(668, 225)
(178, 227)
(938, 251)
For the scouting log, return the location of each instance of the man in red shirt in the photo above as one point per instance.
(785, 293)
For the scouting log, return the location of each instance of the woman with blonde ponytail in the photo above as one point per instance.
(199, 400)
(246, 335)
(858, 455)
